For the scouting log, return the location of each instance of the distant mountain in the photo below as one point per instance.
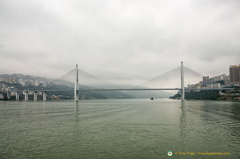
(149, 94)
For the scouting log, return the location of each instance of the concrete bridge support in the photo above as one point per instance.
(35, 95)
(182, 83)
(8, 95)
(17, 96)
(26, 95)
(44, 95)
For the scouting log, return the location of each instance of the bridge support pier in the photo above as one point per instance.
(8, 95)
(44, 95)
(17, 96)
(76, 87)
(26, 95)
(35, 96)
(182, 83)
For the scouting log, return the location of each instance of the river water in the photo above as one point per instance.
(117, 129)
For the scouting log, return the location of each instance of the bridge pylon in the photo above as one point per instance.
(182, 83)
(76, 87)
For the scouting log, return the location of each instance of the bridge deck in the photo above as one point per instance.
(129, 89)
(141, 89)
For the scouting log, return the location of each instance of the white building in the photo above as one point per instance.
(214, 86)
(36, 83)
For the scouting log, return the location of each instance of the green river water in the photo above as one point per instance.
(119, 129)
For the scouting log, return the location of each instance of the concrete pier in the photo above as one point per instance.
(44, 94)
(17, 96)
(26, 95)
(35, 95)
(8, 95)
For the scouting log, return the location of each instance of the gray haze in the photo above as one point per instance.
(121, 41)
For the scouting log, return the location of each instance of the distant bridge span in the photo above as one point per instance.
(76, 89)
(134, 89)
(153, 89)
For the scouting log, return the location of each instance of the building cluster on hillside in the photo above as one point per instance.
(22, 80)
(9, 82)
(220, 81)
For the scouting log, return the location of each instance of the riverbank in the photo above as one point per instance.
(209, 95)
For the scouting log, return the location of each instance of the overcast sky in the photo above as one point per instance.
(118, 40)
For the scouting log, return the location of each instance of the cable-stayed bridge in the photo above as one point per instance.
(176, 78)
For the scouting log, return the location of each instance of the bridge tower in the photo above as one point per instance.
(182, 83)
(76, 87)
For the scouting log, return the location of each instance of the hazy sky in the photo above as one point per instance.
(118, 40)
